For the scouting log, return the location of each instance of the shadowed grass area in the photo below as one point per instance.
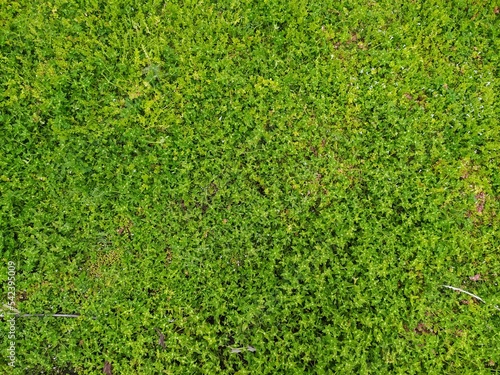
(195, 179)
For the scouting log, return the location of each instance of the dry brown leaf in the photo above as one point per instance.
(481, 199)
(161, 340)
(108, 368)
(475, 277)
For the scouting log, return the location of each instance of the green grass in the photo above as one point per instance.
(300, 177)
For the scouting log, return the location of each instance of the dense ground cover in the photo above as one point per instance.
(297, 177)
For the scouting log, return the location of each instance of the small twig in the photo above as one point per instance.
(34, 315)
(239, 350)
(17, 314)
(52, 315)
(469, 293)
(464, 291)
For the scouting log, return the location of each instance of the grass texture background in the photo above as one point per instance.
(298, 177)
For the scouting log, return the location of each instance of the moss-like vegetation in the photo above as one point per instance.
(200, 178)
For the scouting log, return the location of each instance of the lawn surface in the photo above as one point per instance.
(197, 179)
